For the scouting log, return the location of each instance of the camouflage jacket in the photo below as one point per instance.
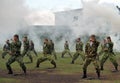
(15, 48)
(79, 46)
(91, 50)
(47, 48)
(31, 46)
(26, 45)
(52, 46)
(66, 46)
(109, 47)
(6, 47)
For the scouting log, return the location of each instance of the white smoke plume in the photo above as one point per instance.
(41, 18)
(12, 18)
(104, 18)
(99, 19)
(105, 11)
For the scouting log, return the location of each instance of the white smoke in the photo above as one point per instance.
(97, 18)
(105, 11)
(107, 18)
(41, 18)
(12, 14)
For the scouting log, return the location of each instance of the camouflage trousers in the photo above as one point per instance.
(77, 54)
(46, 57)
(110, 56)
(54, 54)
(4, 54)
(14, 58)
(88, 61)
(33, 50)
(28, 53)
(66, 51)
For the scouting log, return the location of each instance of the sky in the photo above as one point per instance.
(58, 5)
(53, 4)
(43, 9)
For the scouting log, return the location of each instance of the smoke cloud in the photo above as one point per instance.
(99, 19)
(12, 17)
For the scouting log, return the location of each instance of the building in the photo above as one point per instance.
(69, 18)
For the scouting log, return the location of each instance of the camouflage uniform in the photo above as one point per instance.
(26, 50)
(53, 50)
(6, 50)
(47, 55)
(15, 56)
(91, 55)
(66, 50)
(79, 51)
(32, 48)
(108, 53)
(102, 46)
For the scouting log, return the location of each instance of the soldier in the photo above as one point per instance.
(32, 47)
(102, 47)
(26, 50)
(15, 48)
(6, 49)
(66, 50)
(108, 53)
(47, 54)
(118, 7)
(91, 56)
(79, 51)
(53, 49)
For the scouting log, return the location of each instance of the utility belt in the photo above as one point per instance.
(108, 51)
(79, 50)
(49, 53)
(91, 55)
(16, 53)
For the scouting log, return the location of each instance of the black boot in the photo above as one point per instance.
(53, 62)
(101, 68)
(9, 69)
(62, 56)
(31, 60)
(84, 74)
(72, 62)
(24, 71)
(98, 73)
(116, 68)
(37, 64)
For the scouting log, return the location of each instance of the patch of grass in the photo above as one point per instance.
(9, 80)
(63, 67)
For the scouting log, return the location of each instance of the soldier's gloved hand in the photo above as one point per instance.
(10, 53)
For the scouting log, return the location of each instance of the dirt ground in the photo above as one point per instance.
(50, 76)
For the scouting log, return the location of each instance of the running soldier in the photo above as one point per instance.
(79, 51)
(32, 48)
(26, 50)
(108, 53)
(47, 54)
(53, 49)
(6, 49)
(66, 50)
(91, 56)
(15, 48)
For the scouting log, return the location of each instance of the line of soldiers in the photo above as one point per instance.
(13, 48)
(90, 55)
